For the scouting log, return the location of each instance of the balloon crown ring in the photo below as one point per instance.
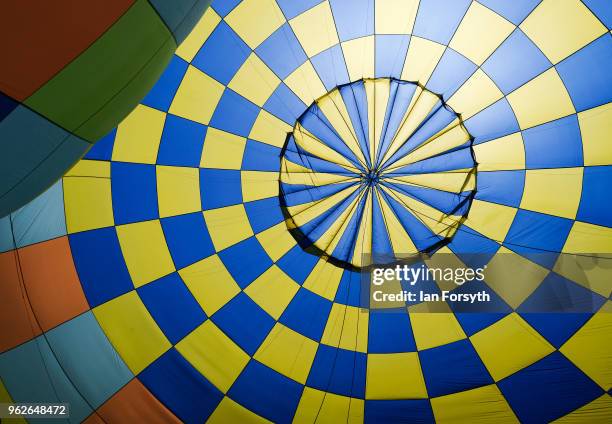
(376, 168)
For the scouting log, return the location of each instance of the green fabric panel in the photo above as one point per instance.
(95, 91)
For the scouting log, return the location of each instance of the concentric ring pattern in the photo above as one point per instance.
(158, 278)
(376, 168)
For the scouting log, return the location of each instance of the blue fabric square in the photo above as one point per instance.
(349, 290)
(453, 368)
(307, 313)
(260, 157)
(390, 332)
(560, 387)
(161, 95)
(223, 7)
(220, 188)
(181, 142)
(493, 122)
(244, 322)
(390, 53)
(172, 306)
(100, 265)
(451, 72)
(234, 114)
(193, 400)
(134, 188)
(558, 294)
(437, 20)
(338, 371)
(515, 62)
(222, 54)
(595, 205)
(331, 68)
(246, 261)
(538, 236)
(292, 8)
(586, 74)
(602, 9)
(503, 187)
(297, 264)
(284, 104)
(282, 52)
(267, 393)
(398, 411)
(557, 328)
(353, 19)
(514, 11)
(556, 144)
(264, 213)
(187, 238)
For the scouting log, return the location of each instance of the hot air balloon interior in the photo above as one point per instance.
(203, 260)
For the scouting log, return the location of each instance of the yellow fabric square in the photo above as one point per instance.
(315, 29)
(589, 348)
(90, 168)
(432, 329)
(359, 57)
(276, 241)
(347, 328)
(327, 407)
(394, 376)
(590, 271)
(490, 219)
(481, 31)
(482, 405)
(513, 277)
(145, 251)
(553, 191)
(588, 238)
(273, 290)
(596, 127)
(505, 153)
(395, 16)
(559, 28)
(227, 226)
(597, 411)
(305, 83)
(324, 279)
(206, 348)
(422, 57)
(509, 345)
(543, 99)
(197, 96)
(87, 203)
(255, 20)
(258, 185)
(132, 331)
(254, 80)
(138, 136)
(229, 411)
(475, 94)
(178, 190)
(198, 35)
(287, 352)
(210, 283)
(222, 150)
(269, 129)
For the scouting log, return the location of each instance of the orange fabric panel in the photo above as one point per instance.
(17, 323)
(134, 404)
(39, 38)
(53, 287)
